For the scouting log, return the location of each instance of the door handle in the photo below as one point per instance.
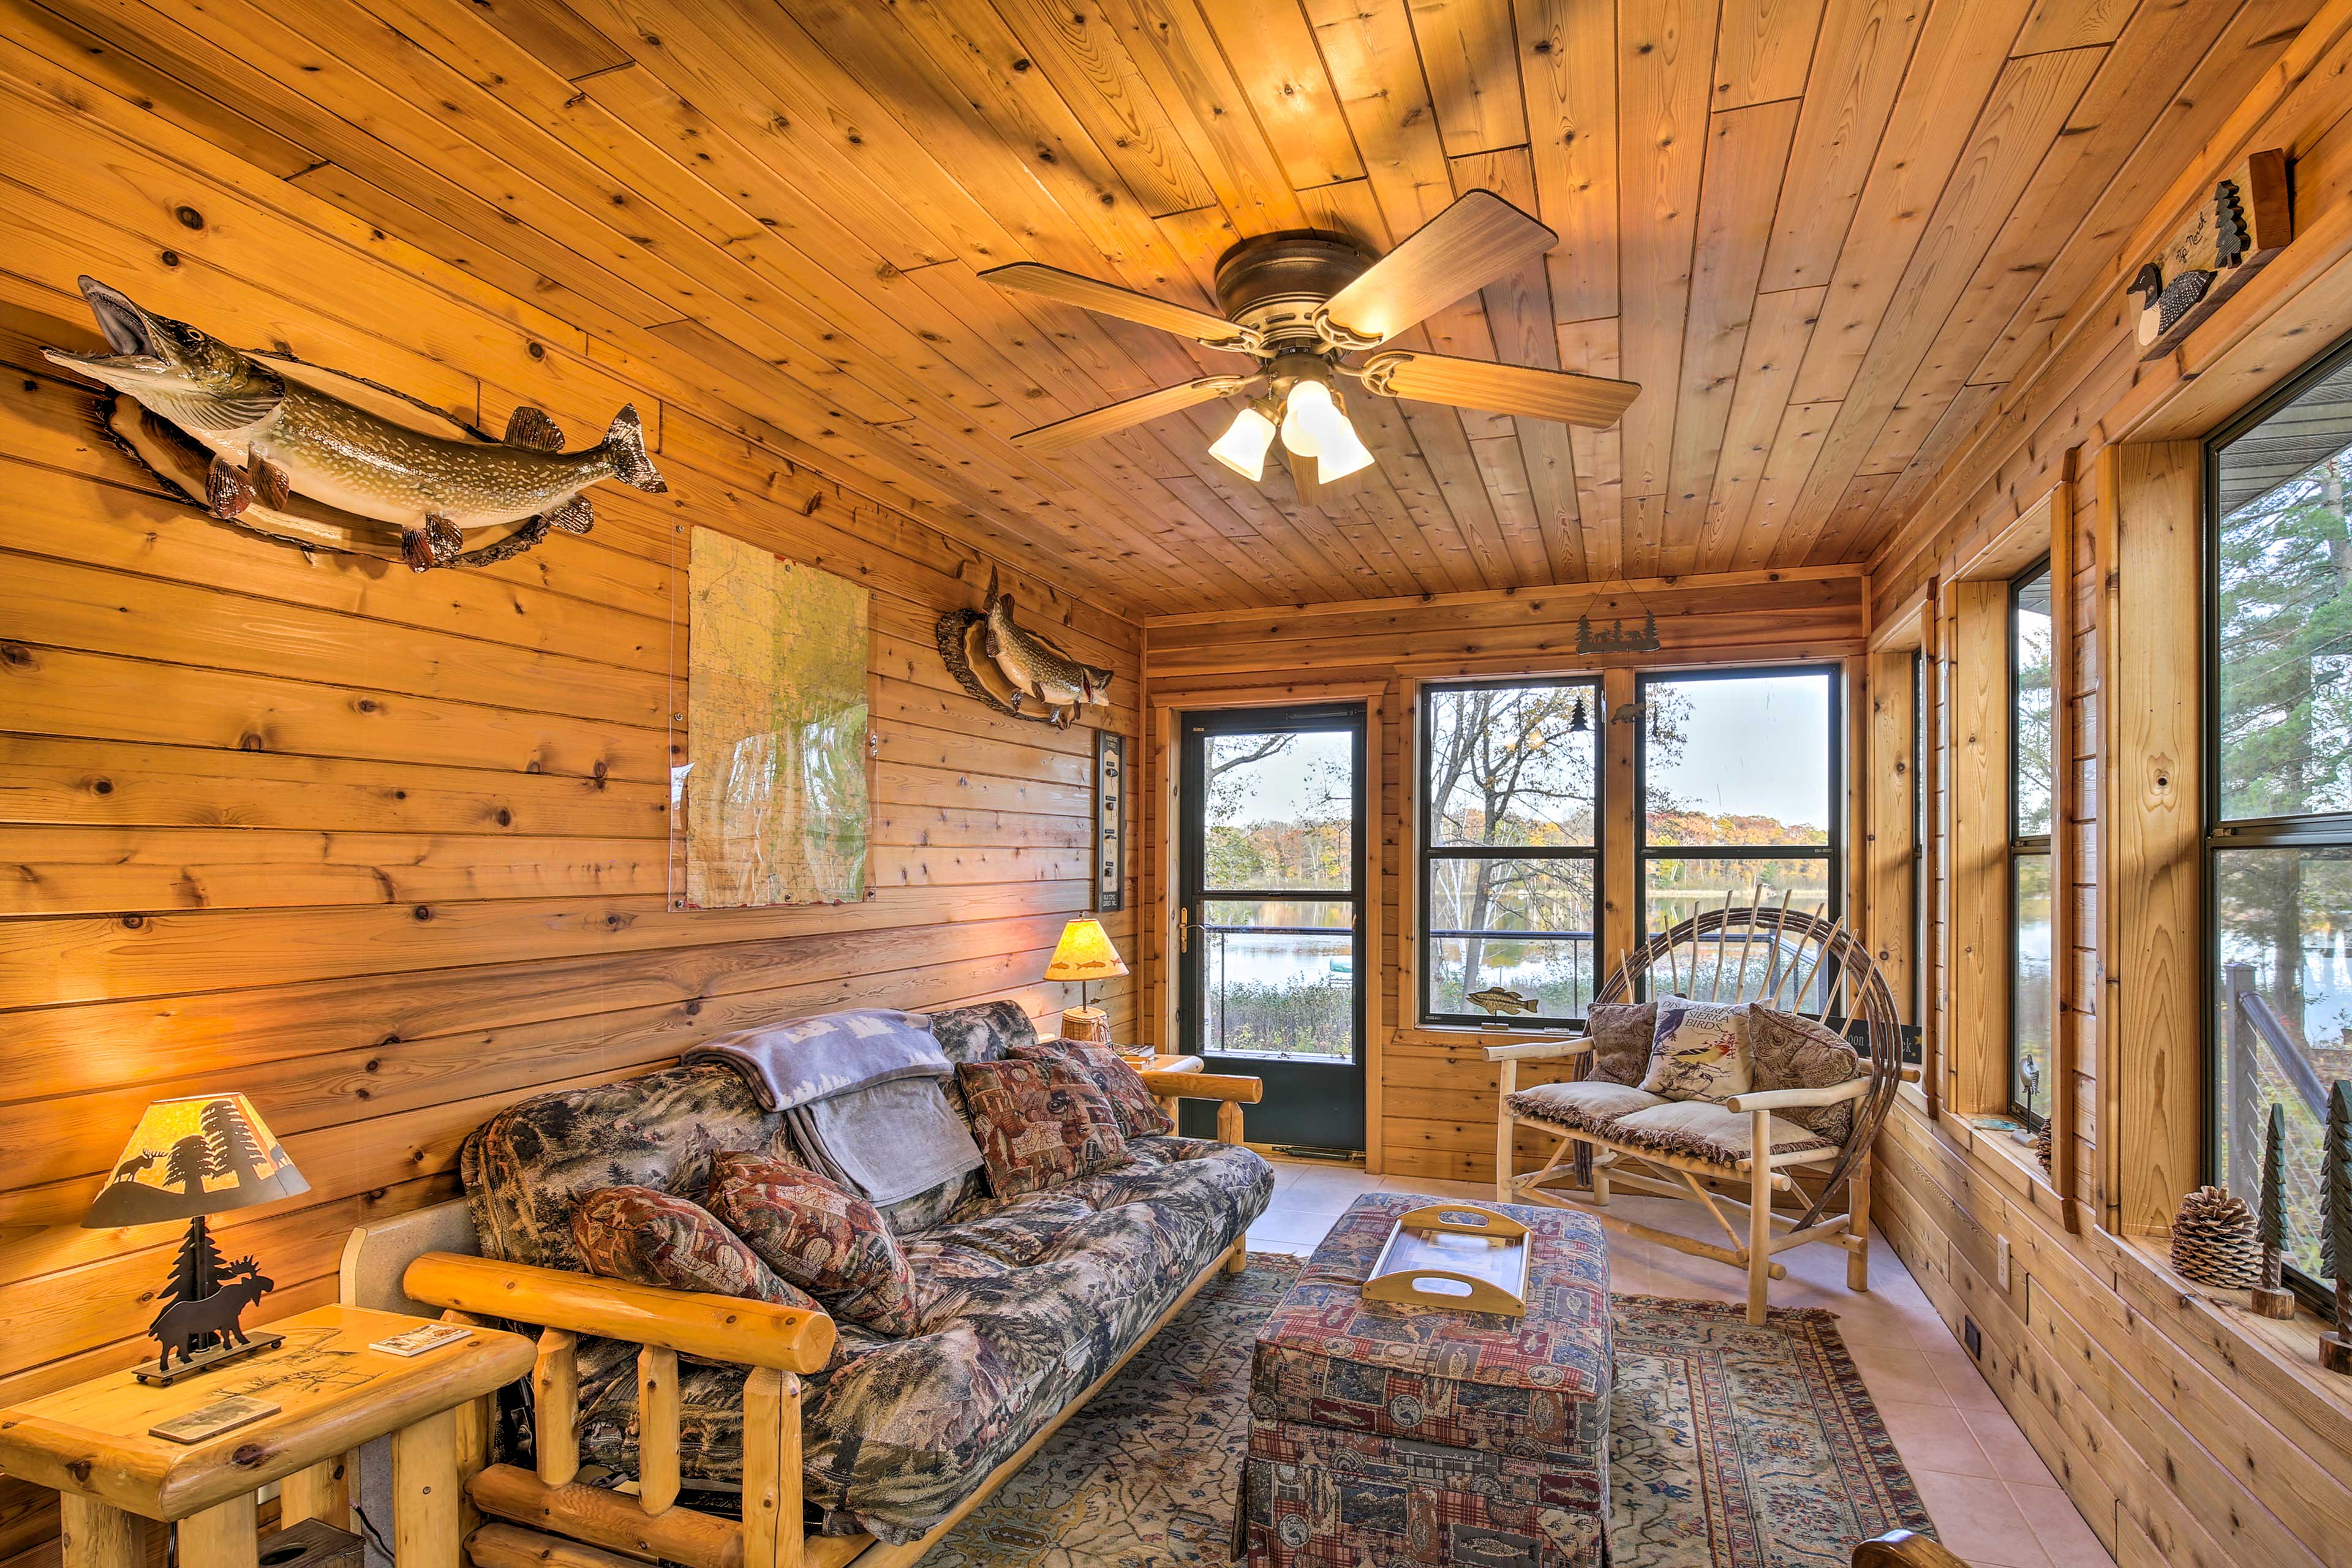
(1184, 929)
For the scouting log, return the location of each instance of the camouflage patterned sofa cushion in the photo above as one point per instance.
(1023, 1305)
(529, 1168)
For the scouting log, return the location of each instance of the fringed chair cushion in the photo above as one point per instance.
(1587, 1105)
(1702, 1130)
(1792, 1051)
(1620, 1039)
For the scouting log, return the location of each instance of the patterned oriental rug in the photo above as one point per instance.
(1730, 1447)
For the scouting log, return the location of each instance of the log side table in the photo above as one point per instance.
(90, 1443)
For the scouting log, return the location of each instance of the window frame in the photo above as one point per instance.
(1833, 852)
(1922, 896)
(2221, 835)
(1426, 849)
(2025, 845)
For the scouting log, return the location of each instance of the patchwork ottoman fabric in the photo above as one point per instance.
(1429, 1435)
(1323, 1499)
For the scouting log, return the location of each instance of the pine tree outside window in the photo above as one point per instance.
(2279, 788)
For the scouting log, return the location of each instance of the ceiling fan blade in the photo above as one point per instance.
(1469, 245)
(1588, 400)
(1065, 433)
(1110, 300)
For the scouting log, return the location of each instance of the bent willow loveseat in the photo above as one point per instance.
(725, 1432)
(1798, 1146)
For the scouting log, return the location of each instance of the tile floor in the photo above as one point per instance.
(1992, 1499)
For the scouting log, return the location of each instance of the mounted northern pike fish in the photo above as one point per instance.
(1036, 669)
(272, 436)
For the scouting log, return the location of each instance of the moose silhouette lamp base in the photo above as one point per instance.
(189, 1159)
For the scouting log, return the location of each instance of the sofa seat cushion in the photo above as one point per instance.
(650, 1238)
(898, 1431)
(1702, 1130)
(1587, 1105)
(817, 1234)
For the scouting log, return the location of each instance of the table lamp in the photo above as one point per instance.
(1084, 954)
(204, 1154)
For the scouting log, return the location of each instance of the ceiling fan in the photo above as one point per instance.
(1301, 303)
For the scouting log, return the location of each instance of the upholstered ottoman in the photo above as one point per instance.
(1385, 1435)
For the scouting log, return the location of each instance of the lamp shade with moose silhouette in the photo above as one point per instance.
(204, 1154)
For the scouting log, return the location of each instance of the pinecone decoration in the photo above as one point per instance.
(2213, 1241)
(2041, 1145)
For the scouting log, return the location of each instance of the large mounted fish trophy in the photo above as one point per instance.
(1016, 671)
(325, 460)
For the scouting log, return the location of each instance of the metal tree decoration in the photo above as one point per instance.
(2269, 1298)
(2336, 1226)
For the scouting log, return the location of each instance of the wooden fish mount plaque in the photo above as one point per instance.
(2247, 219)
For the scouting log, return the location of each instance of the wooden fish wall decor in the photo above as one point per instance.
(2249, 219)
(326, 460)
(1014, 670)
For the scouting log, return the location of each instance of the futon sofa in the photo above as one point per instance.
(1024, 1306)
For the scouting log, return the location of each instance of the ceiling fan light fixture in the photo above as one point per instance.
(1300, 417)
(1243, 447)
(1327, 435)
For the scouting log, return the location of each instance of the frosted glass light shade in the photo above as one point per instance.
(1243, 447)
(1323, 433)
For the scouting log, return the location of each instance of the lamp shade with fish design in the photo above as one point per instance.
(203, 1155)
(1084, 954)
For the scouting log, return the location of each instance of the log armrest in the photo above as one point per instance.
(1540, 1050)
(1798, 1098)
(1226, 1087)
(717, 1328)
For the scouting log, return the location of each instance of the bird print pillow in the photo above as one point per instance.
(1699, 1050)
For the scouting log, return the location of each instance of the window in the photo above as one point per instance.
(2031, 747)
(2279, 787)
(1922, 896)
(1509, 847)
(1738, 782)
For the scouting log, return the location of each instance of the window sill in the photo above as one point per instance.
(1471, 1034)
(2276, 1357)
(2015, 1163)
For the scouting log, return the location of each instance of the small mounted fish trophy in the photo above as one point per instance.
(1497, 1000)
(1014, 670)
(2248, 219)
(325, 460)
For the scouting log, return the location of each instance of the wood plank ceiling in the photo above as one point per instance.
(1821, 233)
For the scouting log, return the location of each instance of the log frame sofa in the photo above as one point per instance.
(546, 1516)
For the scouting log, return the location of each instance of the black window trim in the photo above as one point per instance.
(2321, 830)
(1427, 849)
(1833, 852)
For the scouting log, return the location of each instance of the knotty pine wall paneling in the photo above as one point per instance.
(2186, 1431)
(386, 851)
(1436, 1093)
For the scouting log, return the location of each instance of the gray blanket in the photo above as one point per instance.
(863, 1093)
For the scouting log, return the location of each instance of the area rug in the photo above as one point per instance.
(1730, 1447)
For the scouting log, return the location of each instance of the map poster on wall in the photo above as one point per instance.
(770, 801)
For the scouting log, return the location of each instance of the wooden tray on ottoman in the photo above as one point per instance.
(1455, 1256)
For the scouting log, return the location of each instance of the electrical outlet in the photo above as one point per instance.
(1972, 1337)
(2000, 1262)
